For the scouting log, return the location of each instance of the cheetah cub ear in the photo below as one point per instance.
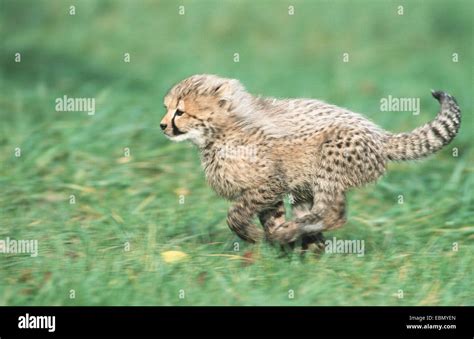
(227, 92)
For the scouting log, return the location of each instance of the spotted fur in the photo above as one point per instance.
(304, 147)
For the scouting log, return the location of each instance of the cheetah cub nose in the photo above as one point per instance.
(163, 126)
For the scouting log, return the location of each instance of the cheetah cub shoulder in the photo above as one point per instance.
(255, 150)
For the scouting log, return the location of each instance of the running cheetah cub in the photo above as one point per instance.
(255, 150)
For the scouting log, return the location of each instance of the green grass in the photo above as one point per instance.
(81, 246)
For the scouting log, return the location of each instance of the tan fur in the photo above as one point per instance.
(255, 150)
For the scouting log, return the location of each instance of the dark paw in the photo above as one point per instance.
(313, 243)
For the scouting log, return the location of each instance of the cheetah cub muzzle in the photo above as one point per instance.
(256, 150)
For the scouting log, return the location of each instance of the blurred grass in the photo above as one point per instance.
(136, 200)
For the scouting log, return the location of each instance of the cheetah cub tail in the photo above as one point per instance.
(430, 137)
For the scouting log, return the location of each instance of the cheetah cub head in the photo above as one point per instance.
(200, 106)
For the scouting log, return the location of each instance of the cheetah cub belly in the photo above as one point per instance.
(255, 150)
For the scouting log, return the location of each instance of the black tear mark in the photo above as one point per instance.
(176, 130)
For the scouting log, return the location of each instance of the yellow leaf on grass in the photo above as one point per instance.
(124, 160)
(182, 191)
(173, 256)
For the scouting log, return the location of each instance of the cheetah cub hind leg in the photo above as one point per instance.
(309, 242)
(272, 217)
(327, 213)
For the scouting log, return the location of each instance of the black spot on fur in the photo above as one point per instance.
(279, 214)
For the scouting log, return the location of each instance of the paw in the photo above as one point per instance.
(314, 243)
(285, 233)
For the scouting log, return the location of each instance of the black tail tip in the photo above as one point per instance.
(438, 95)
(443, 96)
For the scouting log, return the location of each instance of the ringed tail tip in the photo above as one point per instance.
(438, 95)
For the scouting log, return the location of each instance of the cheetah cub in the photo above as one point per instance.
(256, 150)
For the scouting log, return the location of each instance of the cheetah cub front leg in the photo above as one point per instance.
(263, 202)
(327, 213)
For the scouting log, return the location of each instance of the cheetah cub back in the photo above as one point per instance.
(256, 150)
